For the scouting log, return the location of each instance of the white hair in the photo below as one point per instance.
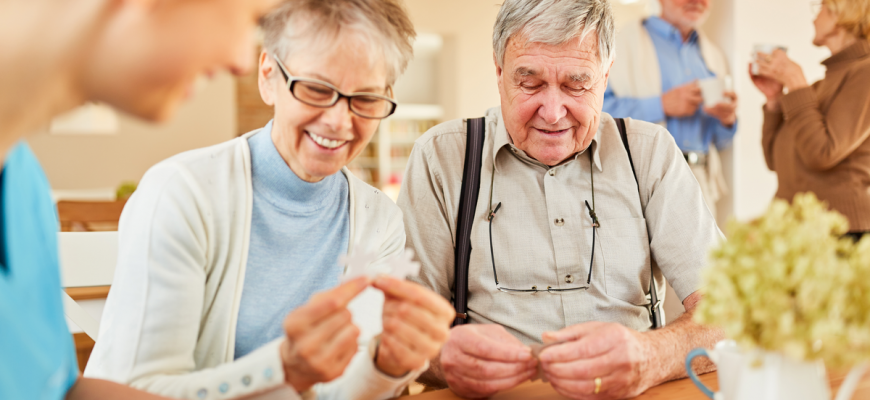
(555, 22)
(381, 27)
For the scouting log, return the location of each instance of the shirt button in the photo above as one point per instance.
(559, 221)
(569, 279)
(267, 373)
(224, 387)
(514, 150)
(246, 380)
(201, 393)
(552, 172)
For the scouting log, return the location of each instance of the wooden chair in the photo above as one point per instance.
(87, 268)
(89, 215)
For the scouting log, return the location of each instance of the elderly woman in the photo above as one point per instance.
(815, 137)
(218, 245)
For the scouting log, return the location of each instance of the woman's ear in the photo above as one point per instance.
(265, 76)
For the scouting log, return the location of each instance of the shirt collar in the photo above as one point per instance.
(662, 28)
(502, 140)
(860, 49)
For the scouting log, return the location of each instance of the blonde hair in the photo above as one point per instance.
(383, 26)
(852, 15)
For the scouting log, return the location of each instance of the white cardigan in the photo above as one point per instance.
(170, 319)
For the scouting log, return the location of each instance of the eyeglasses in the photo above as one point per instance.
(816, 6)
(534, 288)
(317, 93)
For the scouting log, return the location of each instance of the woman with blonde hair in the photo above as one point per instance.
(815, 136)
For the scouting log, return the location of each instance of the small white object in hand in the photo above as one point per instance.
(402, 266)
(357, 263)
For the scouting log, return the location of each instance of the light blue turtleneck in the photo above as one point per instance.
(298, 231)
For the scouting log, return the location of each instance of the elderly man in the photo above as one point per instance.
(655, 78)
(556, 179)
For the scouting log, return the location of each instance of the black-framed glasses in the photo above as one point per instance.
(534, 288)
(317, 93)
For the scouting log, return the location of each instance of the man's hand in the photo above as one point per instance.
(481, 360)
(416, 324)
(617, 355)
(682, 101)
(725, 112)
(321, 338)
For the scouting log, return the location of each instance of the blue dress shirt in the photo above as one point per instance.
(37, 356)
(680, 63)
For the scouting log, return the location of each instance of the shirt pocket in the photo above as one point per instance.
(625, 245)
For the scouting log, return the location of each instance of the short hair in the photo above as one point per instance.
(383, 26)
(852, 15)
(555, 22)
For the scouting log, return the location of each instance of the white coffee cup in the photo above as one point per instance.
(764, 375)
(729, 360)
(713, 90)
(764, 49)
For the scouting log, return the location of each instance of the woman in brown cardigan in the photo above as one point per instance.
(815, 137)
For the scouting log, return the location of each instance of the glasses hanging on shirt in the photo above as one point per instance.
(534, 288)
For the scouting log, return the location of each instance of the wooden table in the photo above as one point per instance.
(682, 389)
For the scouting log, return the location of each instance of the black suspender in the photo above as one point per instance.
(655, 307)
(468, 203)
(475, 132)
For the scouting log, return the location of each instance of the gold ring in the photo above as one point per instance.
(597, 385)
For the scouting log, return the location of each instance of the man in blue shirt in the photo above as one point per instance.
(142, 58)
(655, 78)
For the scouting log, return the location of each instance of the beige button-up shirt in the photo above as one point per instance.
(542, 235)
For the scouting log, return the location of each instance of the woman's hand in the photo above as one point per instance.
(782, 69)
(321, 338)
(416, 324)
(769, 87)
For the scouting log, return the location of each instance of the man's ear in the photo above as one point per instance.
(265, 76)
(498, 69)
(607, 75)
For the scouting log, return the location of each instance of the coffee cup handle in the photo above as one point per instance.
(700, 352)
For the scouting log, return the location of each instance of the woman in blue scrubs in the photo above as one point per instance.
(57, 55)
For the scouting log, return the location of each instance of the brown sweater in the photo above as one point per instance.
(818, 141)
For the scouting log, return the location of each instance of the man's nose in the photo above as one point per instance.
(552, 108)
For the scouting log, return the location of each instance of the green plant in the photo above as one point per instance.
(789, 282)
(125, 190)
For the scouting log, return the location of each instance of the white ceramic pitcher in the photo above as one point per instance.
(761, 375)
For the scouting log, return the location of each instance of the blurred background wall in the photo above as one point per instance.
(97, 161)
(462, 82)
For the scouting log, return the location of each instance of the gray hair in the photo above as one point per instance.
(309, 25)
(554, 22)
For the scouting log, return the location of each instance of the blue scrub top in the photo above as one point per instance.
(37, 356)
